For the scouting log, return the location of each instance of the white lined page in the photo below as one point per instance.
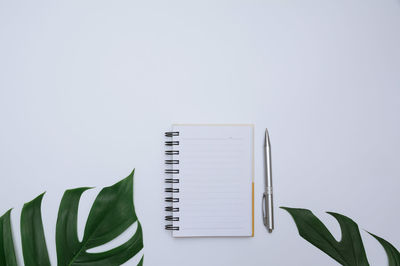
(216, 175)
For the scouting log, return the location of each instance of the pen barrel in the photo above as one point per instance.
(269, 209)
(268, 198)
(268, 168)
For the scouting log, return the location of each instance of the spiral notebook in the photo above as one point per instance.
(210, 180)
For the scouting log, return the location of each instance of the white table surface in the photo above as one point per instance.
(87, 89)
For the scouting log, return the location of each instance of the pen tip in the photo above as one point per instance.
(266, 137)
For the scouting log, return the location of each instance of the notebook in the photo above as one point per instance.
(210, 180)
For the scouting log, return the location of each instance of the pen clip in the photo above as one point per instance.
(263, 210)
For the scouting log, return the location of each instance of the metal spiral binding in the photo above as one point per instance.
(171, 152)
(171, 227)
(171, 143)
(172, 179)
(171, 171)
(172, 134)
(171, 218)
(172, 190)
(171, 209)
(171, 199)
(171, 161)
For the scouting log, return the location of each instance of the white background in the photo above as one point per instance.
(87, 89)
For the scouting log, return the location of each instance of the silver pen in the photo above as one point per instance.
(268, 206)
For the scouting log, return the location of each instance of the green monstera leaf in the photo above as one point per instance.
(349, 251)
(392, 253)
(7, 253)
(111, 214)
(32, 234)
